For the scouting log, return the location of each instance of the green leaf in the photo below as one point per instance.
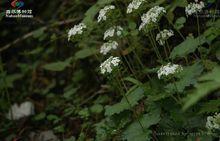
(180, 23)
(135, 132)
(68, 94)
(212, 83)
(213, 32)
(134, 95)
(84, 113)
(59, 129)
(52, 117)
(39, 32)
(8, 80)
(85, 53)
(186, 47)
(97, 108)
(133, 80)
(40, 116)
(210, 106)
(57, 66)
(214, 75)
(187, 77)
(202, 90)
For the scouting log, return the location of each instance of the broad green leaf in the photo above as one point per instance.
(39, 32)
(135, 132)
(134, 95)
(187, 77)
(59, 129)
(97, 108)
(212, 83)
(57, 66)
(52, 117)
(214, 75)
(84, 113)
(69, 93)
(40, 116)
(8, 80)
(202, 90)
(180, 23)
(85, 53)
(186, 47)
(213, 32)
(210, 106)
(133, 80)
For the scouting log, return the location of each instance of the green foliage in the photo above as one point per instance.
(208, 83)
(187, 77)
(8, 80)
(186, 47)
(135, 130)
(85, 53)
(180, 23)
(210, 106)
(133, 96)
(62, 78)
(57, 66)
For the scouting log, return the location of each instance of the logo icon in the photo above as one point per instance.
(17, 3)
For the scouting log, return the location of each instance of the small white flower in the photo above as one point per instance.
(107, 66)
(16, 112)
(112, 31)
(77, 29)
(169, 69)
(152, 16)
(102, 12)
(195, 7)
(213, 122)
(163, 36)
(107, 47)
(134, 5)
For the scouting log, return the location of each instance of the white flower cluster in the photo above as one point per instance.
(77, 29)
(213, 122)
(16, 112)
(169, 69)
(102, 12)
(112, 31)
(151, 16)
(106, 47)
(163, 36)
(194, 7)
(107, 66)
(134, 5)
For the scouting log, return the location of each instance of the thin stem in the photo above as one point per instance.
(126, 98)
(155, 47)
(127, 62)
(138, 58)
(198, 28)
(164, 46)
(179, 99)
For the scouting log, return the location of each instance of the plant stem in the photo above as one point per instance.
(126, 98)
